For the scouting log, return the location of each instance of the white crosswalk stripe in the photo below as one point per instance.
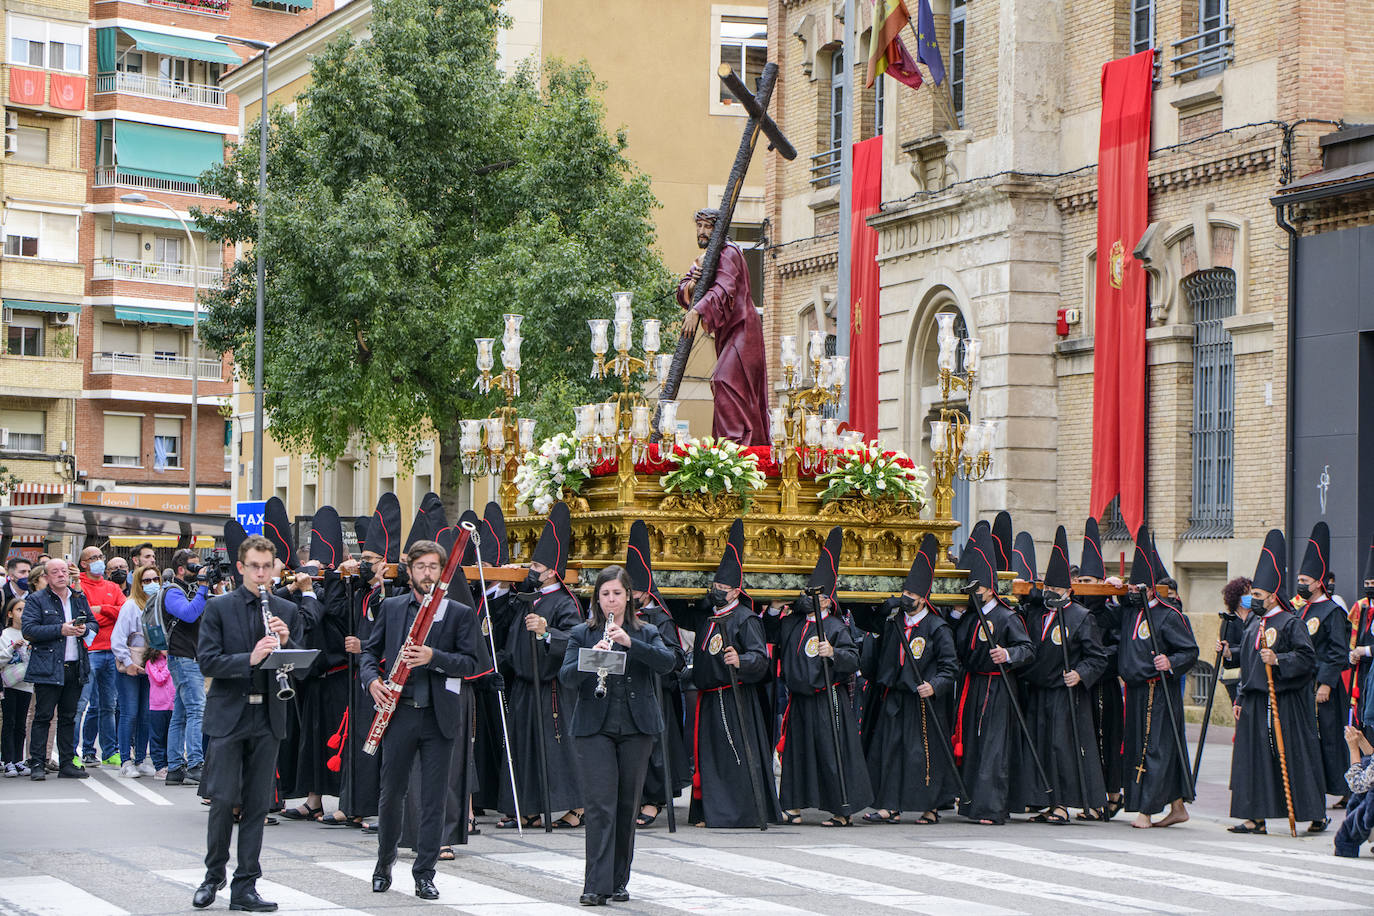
(44, 895)
(863, 890)
(675, 895)
(105, 792)
(132, 785)
(287, 899)
(461, 894)
(1108, 869)
(1007, 887)
(1232, 863)
(1322, 859)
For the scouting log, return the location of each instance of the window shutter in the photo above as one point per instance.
(27, 422)
(123, 435)
(167, 426)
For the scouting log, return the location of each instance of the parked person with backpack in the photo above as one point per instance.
(14, 707)
(130, 648)
(183, 600)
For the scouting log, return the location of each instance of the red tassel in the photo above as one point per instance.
(337, 739)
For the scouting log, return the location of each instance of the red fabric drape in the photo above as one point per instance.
(863, 288)
(68, 92)
(26, 86)
(1122, 309)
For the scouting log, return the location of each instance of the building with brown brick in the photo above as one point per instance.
(989, 211)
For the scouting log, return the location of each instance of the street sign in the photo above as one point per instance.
(250, 515)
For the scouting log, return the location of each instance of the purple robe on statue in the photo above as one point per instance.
(739, 384)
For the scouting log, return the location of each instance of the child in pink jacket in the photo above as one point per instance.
(161, 695)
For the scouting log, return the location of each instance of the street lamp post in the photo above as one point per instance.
(264, 47)
(195, 329)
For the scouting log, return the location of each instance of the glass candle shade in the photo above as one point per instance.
(811, 434)
(485, 359)
(598, 327)
(662, 363)
(470, 435)
(839, 371)
(667, 419)
(512, 324)
(622, 304)
(623, 334)
(777, 422)
(496, 434)
(973, 352)
(639, 424)
(973, 437)
(989, 432)
(652, 327)
(829, 434)
(945, 322)
(510, 355)
(816, 349)
(586, 421)
(939, 436)
(526, 434)
(607, 420)
(787, 350)
(948, 350)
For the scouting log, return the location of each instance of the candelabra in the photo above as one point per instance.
(799, 431)
(960, 448)
(493, 446)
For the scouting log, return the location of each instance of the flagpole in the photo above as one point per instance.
(843, 301)
(943, 94)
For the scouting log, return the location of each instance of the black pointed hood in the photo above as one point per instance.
(448, 540)
(441, 530)
(552, 549)
(1271, 570)
(1142, 569)
(921, 576)
(1316, 562)
(234, 535)
(1002, 539)
(493, 528)
(1023, 557)
(730, 572)
(981, 553)
(1057, 574)
(639, 562)
(326, 538)
(425, 527)
(384, 529)
(1092, 562)
(979, 527)
(360, 531)
(276, 527)
(1161, 571)
(826, 574)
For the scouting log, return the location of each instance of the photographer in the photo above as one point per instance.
(184, 602)
(57, 622)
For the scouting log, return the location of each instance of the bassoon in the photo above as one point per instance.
(419, 631)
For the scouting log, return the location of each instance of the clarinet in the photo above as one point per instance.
(602, 672)
(284, 689)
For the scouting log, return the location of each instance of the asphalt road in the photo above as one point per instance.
(108, 846)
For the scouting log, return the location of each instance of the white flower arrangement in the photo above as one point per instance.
(869, 472)
(547, 471)
(715, 466)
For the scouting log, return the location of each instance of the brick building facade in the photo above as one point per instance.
(989, 211)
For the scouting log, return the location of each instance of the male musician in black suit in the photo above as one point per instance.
(244, 720)
(425, 719)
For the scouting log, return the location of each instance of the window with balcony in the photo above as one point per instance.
(1211, 49)
(48, 236)
(1142, 25)
(42, 43)
(137, 155)
(166, 443)
(25, 429)
(150, 347)
(825, 165)
(123, 440)
(24, 335)
(33, 146)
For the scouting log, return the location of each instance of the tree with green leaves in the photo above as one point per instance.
(414, 196)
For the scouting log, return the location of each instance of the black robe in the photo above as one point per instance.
(1070, 759)
(1256, 776)
(987, 737)
(679, 765)
(361, 773)
(491, 771)
(722, 792)
(1329, 630)
(810, 776)
(540, 672)
(1105, 698)
(907, 770)
(1361, 617)
(322, 698)
(1155, 773)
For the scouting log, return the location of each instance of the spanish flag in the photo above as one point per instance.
(886, 53)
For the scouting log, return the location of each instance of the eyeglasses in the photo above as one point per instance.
(149, 581)
(259, 567)
(425, 567)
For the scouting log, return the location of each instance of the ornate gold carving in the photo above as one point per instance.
(870, 511)
(708, 505)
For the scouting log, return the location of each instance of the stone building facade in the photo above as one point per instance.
(989, 210)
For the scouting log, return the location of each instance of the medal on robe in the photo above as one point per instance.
(1056, 637)
(918, 646)
(1143, 631)
(1271, 636)
(982, 635)
(714, 645)
(1313, 625)
(813, 646)
(486, 626)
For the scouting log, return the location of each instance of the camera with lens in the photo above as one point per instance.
(218, 568)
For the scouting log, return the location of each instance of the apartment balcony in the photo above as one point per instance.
(157, 87)
(145, 364)
(156, 272)
(218, 8)
(115, 177)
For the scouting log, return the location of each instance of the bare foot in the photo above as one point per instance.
(1176, 816)
(1142, 821)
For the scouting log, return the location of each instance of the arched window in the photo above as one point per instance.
(1211, 296)
(925, 378)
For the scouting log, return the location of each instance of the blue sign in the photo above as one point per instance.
(250, 515)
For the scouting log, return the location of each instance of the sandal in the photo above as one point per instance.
(791, 819)
(446, 854)
(644, 820)
(564, 824)
(367, 828)
(309, 814)
(837, 821)
(930, 817)
(529, 823)
(1092, 814)
(1054, 817)
(1319, 826)
(876, 817)
(339, 819)
(1114, 806)
(473, 829)
(1341, 803)
(1255, 827)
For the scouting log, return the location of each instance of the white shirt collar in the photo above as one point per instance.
(551, 587)
(920, 615)
(727, 609)
(1271, 613)
(992, 603)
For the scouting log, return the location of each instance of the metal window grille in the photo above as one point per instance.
(1212, 297)
(1112, 526)
(1142, 25)
(878, 105)
(957, 26)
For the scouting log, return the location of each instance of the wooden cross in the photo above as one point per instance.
(756, 104)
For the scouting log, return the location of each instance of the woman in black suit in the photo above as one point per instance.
(615, 733)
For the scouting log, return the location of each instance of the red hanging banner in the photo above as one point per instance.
(67, 91)
(1119, 359)
(863, 287)
(26, 86)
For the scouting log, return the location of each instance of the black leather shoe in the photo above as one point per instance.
(192, 775)
(38, 774)
(425, 889)
(176, 777)
(592, 900)
(205, 894)
(621, 894)
(381, 879)
(69, 771)
(250, 902)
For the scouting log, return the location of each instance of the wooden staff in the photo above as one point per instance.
(834, 704)
(1278, 733)
(940, 737)
(1073, 718)
(1211, 696)
(1011, 696)
(1175, 720)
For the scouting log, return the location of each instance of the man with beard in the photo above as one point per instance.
(1329, 630)
(739, 384)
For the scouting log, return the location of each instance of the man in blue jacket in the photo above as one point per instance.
(58, 624)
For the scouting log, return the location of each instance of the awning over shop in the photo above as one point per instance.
(151, 315)
(59, 520)
(178, 46)
(30, 305)
(153, 151)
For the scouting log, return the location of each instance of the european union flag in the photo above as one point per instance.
(927, 48)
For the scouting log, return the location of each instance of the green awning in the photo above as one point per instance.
(157, 222)
(153, 151)
(29, 305)
(177, 46)
(298, 4)
(105, 50)
(153, 315)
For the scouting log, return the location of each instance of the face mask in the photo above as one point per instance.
(366, 571)
(1245, 601)
(119, 577)
(151, 588)
(1304, 591)
(1097, 603)
(97, 568)
(1368, 592)
(719, 598)
(908, 603)
(1055, 601)
(531, 582)
(22, 584)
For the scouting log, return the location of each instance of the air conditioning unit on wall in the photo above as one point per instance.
(64, 319)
